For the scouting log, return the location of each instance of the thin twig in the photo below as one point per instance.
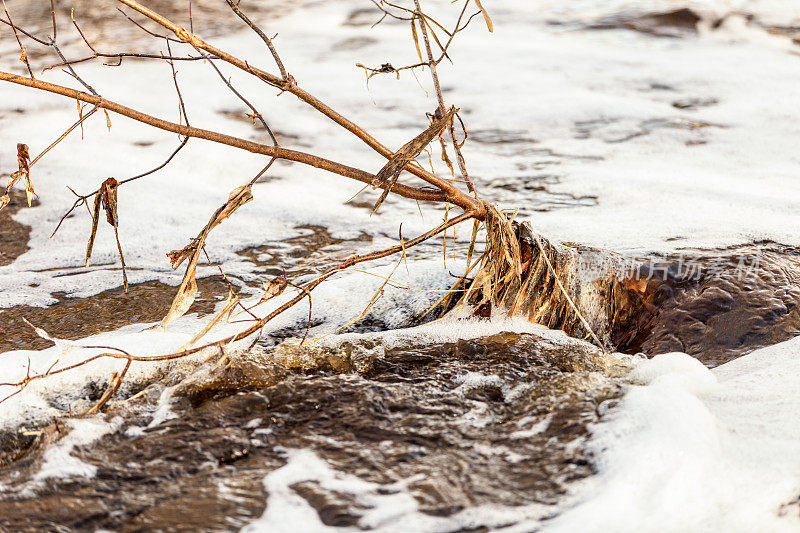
(23, 54)
(435, 76)
(63, 135)
(235, 8)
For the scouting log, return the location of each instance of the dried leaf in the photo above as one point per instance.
(4, 200)
(23, 158)
(108, 119)
(187, 292)
(29, 192)
(486, 17)
(391, 171)
(445, 157)
(95, 218)
(433, 34)
(230, 304)
(188, 289)
(274, 287)
(23, 56)
(14, 178)
(416, 38)
(41, 333)
(108, 196)
(63, 345)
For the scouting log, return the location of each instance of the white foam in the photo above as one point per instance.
(384, 508)
(696, 450)
(683, 451)
(58, 461)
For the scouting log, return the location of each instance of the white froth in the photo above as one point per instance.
(386, 508)
(58, 461)
(696, 450)
(689, 449)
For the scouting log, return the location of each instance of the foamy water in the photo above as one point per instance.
(590, 115)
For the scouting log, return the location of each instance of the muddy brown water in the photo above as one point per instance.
(310, 252)
(401, 413)
(409, 412)
(405, 414)
(14, 236)
(76, 318)
(715, 305)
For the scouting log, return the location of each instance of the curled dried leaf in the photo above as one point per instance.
(188, 289)
(23, 157)
(486, 17)
(274, 287)
(29, 192)
(391, 171)
(176, 257)
(108, 197)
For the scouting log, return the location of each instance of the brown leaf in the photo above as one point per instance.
(29, 192)
(188, 289)
(14, 178)
(416, 38)
(391, 171)
(230, 304)
(274, 287)
(187, 292)
(23, 158)
(95, 218)
(108, 196)
(23, 56)
(486, 17)
(445, 157)
(4, 200)
(108, 119)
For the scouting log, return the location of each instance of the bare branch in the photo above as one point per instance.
(435, 76)
(250, 146)
(260, 33)
(190, 38)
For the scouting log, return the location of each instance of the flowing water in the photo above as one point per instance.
(368, 432)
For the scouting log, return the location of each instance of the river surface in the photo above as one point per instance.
(472, 425)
